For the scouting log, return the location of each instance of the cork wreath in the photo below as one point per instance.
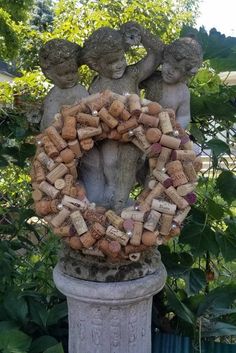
(160, 209)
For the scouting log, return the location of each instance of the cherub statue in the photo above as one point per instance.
(104, 52)
(59, 61)
(181, 60)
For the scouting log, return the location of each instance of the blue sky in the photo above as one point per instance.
(220, 14)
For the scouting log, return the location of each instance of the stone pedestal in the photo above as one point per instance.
(110, 317)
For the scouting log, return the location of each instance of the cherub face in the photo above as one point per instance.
(172, 72)
(113, 65)
(64, 75)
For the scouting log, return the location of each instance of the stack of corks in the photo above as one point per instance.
(162, 206)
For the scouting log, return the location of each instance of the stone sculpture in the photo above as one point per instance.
(181, 60)
(104, 52)
(59, 61)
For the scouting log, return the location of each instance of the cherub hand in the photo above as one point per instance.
(131, 32)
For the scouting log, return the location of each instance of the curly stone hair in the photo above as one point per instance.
(57, 51)
(100, 43)
(187, 51)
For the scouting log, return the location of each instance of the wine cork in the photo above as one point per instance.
(46, 161)
(115, 234)
(152, 220)
(148, 120)
(73, 191)
(75, 243)
(93, 252)
(137, 234)
(48, 189)
(140, 135)
(132, 249)
(114, 135)
(183, 190)
(75, 148)
(186, 143)
(154, 150)
(156, 192)
(166, 223)
(197, 164)
(136, 142)
(162, 178)
(114, 248)
(134, 104)
(189, 171)
(99, 101)
(154, 108)
(149, 238)
(142, 196)
(93, 216)
(153, 135)
(73, 203)
(43, 207)
(84, 133)
(152, 162)
(181, 215)
(174, 196)
(97, 231)
(170, 142)
(59, 184)
(183, 155)
(165, 123)
(105, 128)
(114, 219)
(164, 206)
(175, 170)
(103, 246)
(78, 222)
(128, 225)
(163, 158)
(69, 128)
(37, 195)
(87, 240)
(127, 125)
(60, 218)
(125, 115)
(72, 169)
(191, 198)
(56, 138)
(175, 231)
(57, 173)
(49, 147)
(68, 184)
(38, 171)
(63, 231)
(107, 118)
(73, 110)
(88, 120)
(134, 215)
(135, 257)
(87, 144)
(116, 108)
(67, 155)
(152, 183)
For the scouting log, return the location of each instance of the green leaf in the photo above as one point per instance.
(58, 312)
(221, 297)
(8, 325)
(16, 307)
(200, 237)
(178, 307)
(219, 329)
(14, 341)
(177, 263)
(195, 281)
(214, 209)
(226, 183)
(227, 244)
(55, 349)
(38, 312)
(42, 343)
(196, 132)
(218, 147)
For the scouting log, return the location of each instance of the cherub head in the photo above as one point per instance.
(182, 59)
(104, 52)
(58, 59)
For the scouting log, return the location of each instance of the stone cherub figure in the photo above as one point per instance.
(114, 164)
(181, 60)
(59, 61)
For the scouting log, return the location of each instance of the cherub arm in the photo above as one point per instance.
(183, 115)
(132, 31)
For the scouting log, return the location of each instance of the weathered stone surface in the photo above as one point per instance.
(110, 317)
